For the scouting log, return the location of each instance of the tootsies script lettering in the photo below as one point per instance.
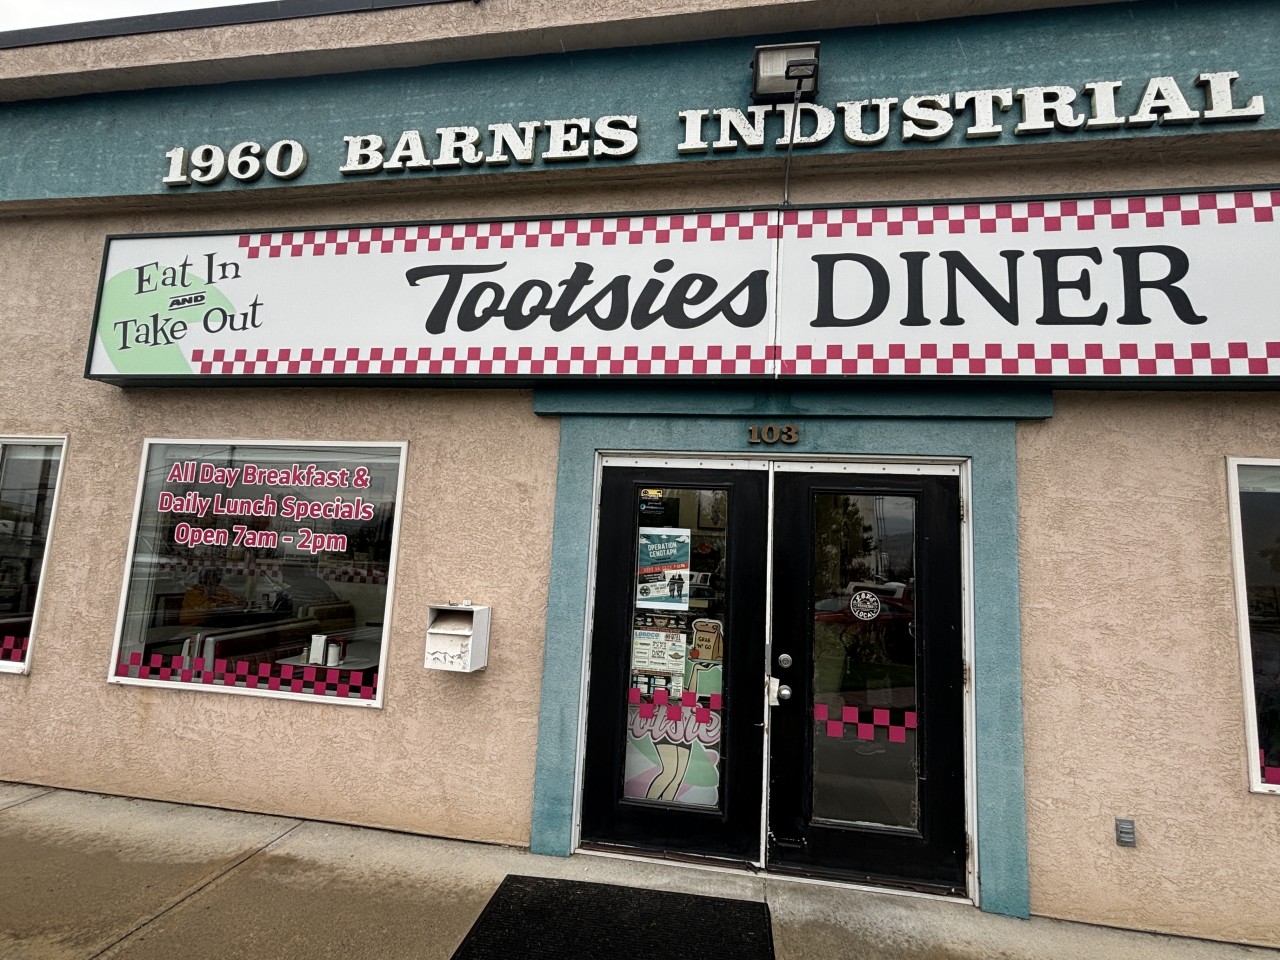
(683, 302)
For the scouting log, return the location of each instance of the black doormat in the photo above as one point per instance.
(534, 918)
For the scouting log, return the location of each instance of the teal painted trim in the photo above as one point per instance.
(981, 402)
(114, 144)
(989, 443)
(563, 658)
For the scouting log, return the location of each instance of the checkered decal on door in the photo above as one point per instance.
(14, 649)
(320, 681)
(676, 710)
(864, 721)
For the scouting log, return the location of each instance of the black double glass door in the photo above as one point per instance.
(798, 705)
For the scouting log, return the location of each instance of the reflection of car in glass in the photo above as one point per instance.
(889, 636)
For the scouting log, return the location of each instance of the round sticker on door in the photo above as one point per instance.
(864, 605)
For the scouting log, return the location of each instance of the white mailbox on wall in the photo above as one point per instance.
(457, 637)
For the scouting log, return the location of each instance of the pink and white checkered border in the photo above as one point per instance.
(1235, 359)
(513, 234)
(1050, 216)
(1100, 213)
(275, 570)
(1031, 359)
(494, 361)
(345, 684)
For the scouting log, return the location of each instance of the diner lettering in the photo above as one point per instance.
(1064, 273)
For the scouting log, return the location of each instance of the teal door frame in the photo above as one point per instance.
(975, 424)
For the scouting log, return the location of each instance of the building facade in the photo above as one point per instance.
(500, 422)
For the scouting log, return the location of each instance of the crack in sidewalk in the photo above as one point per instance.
(21, 800)
(191, 891)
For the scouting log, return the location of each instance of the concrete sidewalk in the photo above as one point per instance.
(86, 876)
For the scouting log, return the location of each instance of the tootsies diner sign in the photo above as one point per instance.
(1174, 286)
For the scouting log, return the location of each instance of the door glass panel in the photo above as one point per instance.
(864, 660)
(679, 636)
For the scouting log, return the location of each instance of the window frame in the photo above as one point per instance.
(401, 446)
(23, 667)
(1243, 630)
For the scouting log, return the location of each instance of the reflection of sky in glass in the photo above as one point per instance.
(890, 523)
(895, 514)
(1255, 478)
(899, 515)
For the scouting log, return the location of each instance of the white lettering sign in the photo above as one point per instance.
(927, 118)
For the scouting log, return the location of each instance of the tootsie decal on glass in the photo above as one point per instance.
(675, 694)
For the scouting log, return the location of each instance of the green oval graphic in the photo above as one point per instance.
(121, 302)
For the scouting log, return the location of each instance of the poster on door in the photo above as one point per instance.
(657, 662)
(662, 568)
(656, 651)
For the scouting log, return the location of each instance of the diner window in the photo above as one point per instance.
(262, 568)
(29, 471)
(1256, 516)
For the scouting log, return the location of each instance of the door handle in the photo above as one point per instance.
(778, 691)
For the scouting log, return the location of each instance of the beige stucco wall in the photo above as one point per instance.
(1132, 675)
(447, 754)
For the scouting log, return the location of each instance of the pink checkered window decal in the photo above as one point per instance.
(262, 568)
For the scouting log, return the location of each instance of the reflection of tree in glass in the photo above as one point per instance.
(843, 541)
